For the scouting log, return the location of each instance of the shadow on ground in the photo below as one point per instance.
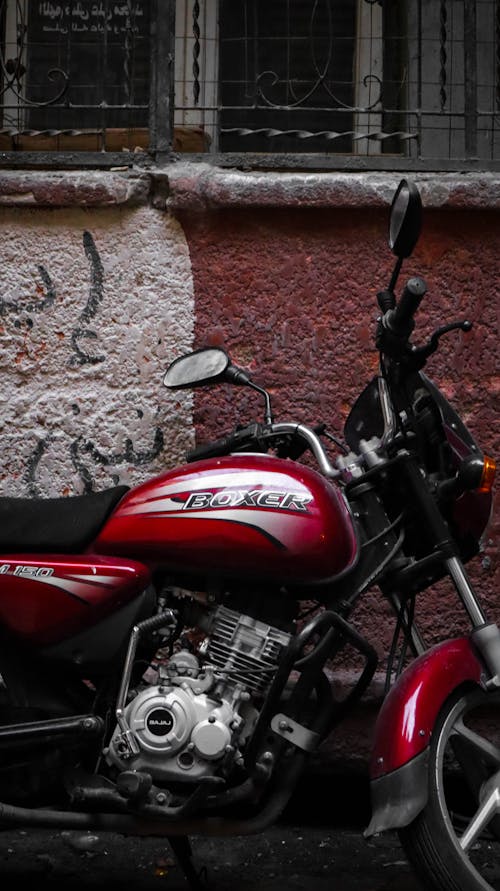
(318, 845)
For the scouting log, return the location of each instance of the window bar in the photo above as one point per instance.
(127, 58)
(196, 52)
(419, 86)
(68, 63)
(161, 101)
(288, 72)
(247, 48)
(470, 77)
(129, 65)
(255, 54)
(104, 65)
(497, 56)
(443, 56)
(496, 82)
(13, 66)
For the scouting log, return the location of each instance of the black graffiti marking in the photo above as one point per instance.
(28, 322)
(82, 358)
(32, 466)
(25, 304)
(96, 279)
(81, 469)
(80, 447)
(90, 309)
(140, 459)
(51, 293)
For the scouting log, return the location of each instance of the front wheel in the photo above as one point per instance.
(454, 843)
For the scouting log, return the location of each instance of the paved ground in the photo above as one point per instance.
(317, 846)
(288, 858)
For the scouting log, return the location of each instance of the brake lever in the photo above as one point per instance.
(420, 354)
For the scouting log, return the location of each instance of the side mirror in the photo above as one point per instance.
(211, 365)
(205, 366)
(405, 221)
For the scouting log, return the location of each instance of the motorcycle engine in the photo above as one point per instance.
(201, 710)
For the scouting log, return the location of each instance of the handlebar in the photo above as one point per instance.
(292, 440)
(248, 437)
(399, 320)
(396, 325)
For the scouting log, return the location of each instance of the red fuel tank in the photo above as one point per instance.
(242, 516)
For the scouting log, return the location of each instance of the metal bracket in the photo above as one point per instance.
(295, 733)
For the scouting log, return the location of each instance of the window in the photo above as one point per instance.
(75, 74)
(288, 68)
(356, 83)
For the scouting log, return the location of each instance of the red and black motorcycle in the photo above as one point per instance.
(158, 675)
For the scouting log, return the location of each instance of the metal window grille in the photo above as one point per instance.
(346, 83)
(373, 82)
(85, 82)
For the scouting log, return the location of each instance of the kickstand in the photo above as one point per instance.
(181, 847)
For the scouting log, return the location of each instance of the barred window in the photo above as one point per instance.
(355, 83)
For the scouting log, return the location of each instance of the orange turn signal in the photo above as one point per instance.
(488, 475)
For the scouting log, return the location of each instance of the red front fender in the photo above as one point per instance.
(399, 766)
(407, 717)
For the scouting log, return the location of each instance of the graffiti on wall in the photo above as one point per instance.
(80, 449)
(87, 348)
(20, 305)
(89, 311)
(80, 332)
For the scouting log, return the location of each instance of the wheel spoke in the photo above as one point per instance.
(462, 817)
(480, 820)
(490, 751)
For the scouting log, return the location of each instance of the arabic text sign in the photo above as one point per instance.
(87, 18)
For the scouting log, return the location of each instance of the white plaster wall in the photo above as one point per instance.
(112, 284)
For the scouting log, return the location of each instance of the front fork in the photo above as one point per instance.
(399, 767)
(400, 756)
(485, 635)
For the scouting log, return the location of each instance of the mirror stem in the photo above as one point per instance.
(395, 273)
(268, 415)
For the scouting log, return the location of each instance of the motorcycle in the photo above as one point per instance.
(159, 673)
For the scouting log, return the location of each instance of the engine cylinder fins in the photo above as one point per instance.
(244, 650)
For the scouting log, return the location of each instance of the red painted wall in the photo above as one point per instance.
(291, 294)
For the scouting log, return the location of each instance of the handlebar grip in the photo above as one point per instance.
(211, 449)
(400, 319)
(247, 437)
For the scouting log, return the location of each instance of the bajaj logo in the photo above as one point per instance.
(160, 721)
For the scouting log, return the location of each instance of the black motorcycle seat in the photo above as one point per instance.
(58, 525)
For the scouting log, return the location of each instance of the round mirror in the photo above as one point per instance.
(405, 219)
(200, 367)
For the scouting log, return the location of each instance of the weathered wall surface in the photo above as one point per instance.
(93, 306)
(292, 296)
(104, 284)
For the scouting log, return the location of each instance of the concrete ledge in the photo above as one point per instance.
(203, 187)
(73, 188)
(198, 186)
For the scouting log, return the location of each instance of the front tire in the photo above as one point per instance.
(454, 843)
